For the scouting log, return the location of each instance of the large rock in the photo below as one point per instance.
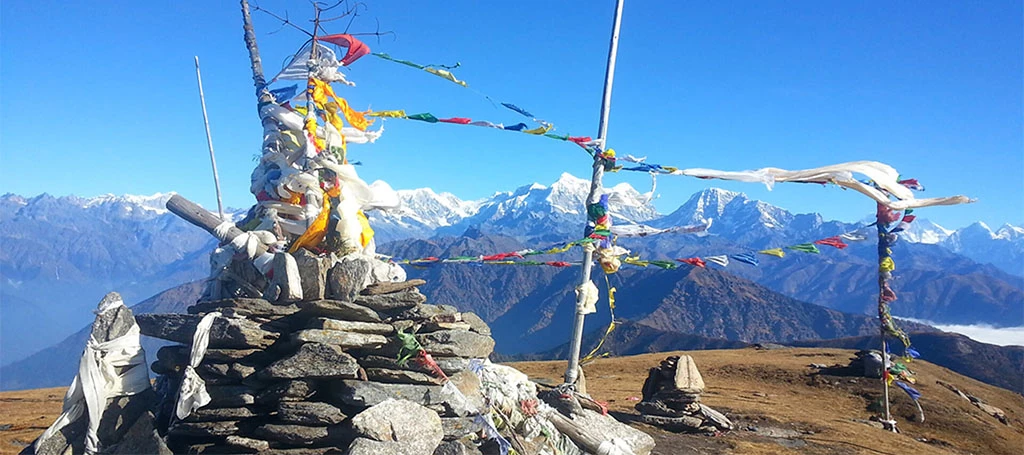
(476, 324)
(313, 361)
(339, 309)
(609, 428)
(141, 437)
(457, 343)
(309, 413)
(396, 301)
(456, 448)
(687, 376)
(230, 396)
(224, 333)
(312, 273)
(460, 427)
(349, 276)
(347, 340)
(407, 425)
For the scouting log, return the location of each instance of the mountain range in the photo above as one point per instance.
(61, 254)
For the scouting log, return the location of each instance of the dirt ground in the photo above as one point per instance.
(778, 403)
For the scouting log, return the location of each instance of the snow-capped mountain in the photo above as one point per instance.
(533, 211)
(925, 231)
(1003, 248)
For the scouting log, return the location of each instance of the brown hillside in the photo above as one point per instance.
(778, 403)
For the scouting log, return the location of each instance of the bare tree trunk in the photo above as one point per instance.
(262, 95)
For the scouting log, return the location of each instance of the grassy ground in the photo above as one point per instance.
(778, 403)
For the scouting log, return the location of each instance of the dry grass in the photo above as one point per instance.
(772, 391)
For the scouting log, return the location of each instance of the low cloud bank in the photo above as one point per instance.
(985, 333)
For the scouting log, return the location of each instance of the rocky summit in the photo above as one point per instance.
(363, 366)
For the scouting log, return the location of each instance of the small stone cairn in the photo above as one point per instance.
(360, 366)
(671, 398)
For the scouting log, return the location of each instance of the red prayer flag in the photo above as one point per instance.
(558, 264)
(833, 242)
(356, 48)
(501, 256)
(458, 120)
(696, 262)
(580, 140)
(885, 215)
(909, 218)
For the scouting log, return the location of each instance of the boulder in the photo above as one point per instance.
(402, 423)
(312, 273)
(348, 277)
(313, 361)
(476, 324)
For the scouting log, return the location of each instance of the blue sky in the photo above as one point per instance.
(101, 98)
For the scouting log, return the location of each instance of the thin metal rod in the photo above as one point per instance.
(880, 226)
(572, 371)
(209, 141)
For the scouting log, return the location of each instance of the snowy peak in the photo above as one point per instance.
(155, 203)
(925, 231)
(710, 203)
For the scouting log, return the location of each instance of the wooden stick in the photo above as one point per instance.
(193, 213)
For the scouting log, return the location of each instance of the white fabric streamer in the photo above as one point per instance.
(882, 175)
(98, 380)
(721, 260)
(643, 230)
(586, 298)
(325, 67)
(192, 394)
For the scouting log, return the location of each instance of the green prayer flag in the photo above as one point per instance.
(424, 117)
(805, 247)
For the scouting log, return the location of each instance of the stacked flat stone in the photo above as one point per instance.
(303, 377)
(671, 398)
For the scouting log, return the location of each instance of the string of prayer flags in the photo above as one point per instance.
(437, 70)
(835, 242)
(805, 248)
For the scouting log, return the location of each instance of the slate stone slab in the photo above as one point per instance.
(352, 326)
(367, 393)
(314, 361)
(459, 427)
(224, 333)
(393, 302)
(205, 429)
(230, 396)
(247, 443)
(457, 343)
(674, 423)
(390, 287)
(687, 377)
(309, 413)
(456, 448)
(347, 340)
(289, 390)
(140, 438)
(338, 309)
(401, 376)
(303, 435)
(245, 307)
(208, 414)
(716, 417)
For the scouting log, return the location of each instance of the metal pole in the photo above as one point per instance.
(880, 226)
(209, 141)
(572, 371)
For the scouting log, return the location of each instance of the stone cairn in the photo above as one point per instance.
(671, 398)
(359, 366)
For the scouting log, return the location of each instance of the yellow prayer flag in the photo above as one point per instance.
(777, 252)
